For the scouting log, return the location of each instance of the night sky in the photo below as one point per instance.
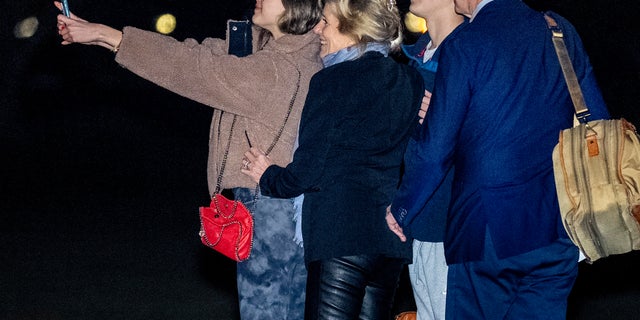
(80, 134)
(65, 108)
(40, 76)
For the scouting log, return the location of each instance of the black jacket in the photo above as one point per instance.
(355, 125)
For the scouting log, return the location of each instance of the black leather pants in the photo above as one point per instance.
(353, 287)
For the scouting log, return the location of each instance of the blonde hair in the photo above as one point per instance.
(369, 21)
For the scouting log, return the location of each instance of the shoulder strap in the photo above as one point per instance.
(286, 118)
(582, 112)
(225, 156)
(275, 139)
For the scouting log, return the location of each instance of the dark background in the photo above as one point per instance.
(102, 172)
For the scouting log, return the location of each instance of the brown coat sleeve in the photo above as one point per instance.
(205, 72)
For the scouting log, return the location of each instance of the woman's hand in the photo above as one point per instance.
(76, 30)
(255, 163)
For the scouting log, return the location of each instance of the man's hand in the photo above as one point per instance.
(424, 106)
(394, 226)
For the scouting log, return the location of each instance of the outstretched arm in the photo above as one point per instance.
(76, 30)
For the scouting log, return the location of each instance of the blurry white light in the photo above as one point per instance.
(26, 28)
(166, 23)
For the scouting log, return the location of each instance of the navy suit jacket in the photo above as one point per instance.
(499, 101)
(430, 227)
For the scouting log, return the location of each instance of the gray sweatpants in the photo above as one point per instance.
(428, 274)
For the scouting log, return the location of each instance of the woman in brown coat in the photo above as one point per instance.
(259, 94)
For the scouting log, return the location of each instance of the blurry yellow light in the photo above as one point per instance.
(166, 23)
(26, 28)
(415, 23)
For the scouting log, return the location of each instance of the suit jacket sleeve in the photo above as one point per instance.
(426, 153)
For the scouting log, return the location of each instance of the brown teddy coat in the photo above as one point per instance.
(257, 88)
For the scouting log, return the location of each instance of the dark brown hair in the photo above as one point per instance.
(300, 16)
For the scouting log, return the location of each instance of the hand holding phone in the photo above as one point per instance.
(65, 8)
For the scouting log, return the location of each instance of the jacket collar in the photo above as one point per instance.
(416, 51)
(290, 43)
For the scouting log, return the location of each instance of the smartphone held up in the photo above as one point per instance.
(65, 8)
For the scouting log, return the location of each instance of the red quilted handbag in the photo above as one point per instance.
(227, 227)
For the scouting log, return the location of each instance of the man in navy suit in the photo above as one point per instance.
(499, 101)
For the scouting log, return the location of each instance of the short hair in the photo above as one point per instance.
(300, 16)
(369, 21)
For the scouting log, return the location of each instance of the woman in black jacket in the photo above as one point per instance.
(357, 119)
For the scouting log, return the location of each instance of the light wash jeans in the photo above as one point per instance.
(271, 283)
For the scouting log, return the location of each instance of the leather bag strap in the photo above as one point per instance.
(582, 112)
